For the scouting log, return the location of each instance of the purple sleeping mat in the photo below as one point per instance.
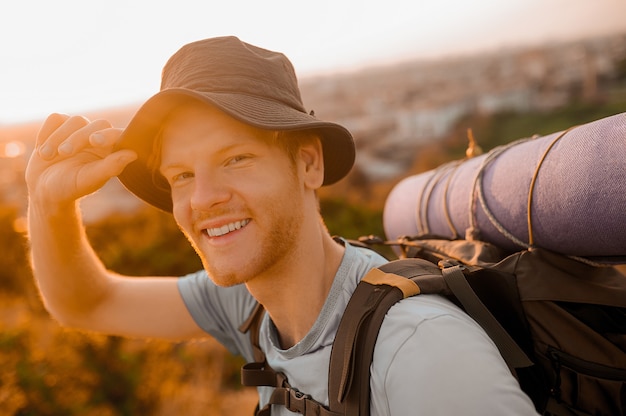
(565, 192)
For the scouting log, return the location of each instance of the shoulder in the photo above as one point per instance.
(414, 311)
(432, 356)
(358, 261)
(218, 310)
(202, 296)
(428, 322)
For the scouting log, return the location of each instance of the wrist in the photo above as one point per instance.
(46, 211)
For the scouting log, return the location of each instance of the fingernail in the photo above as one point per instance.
(97, 139)
(66, 148)
(127, 157)
(46, 151)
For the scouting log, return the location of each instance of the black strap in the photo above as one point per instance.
(253, 325)
(514, 356)
(296, 401)
(353, 348)
(260, 373)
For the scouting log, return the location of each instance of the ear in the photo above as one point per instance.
(311, 160)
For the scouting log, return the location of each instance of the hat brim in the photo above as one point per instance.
(140, 134)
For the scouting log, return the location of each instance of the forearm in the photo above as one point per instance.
(74, 157)
(71, 278)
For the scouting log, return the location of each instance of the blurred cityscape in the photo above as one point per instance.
(392, 110)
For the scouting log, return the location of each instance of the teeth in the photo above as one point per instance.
(225, 229)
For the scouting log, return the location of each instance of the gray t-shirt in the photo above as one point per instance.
(430, 358)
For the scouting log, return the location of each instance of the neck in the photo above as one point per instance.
(294, 294)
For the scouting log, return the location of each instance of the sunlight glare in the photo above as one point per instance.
(12, 149)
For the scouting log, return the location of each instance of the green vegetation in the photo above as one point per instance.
(494, 130)
(48, 370)
(351, 221)
(510, 126)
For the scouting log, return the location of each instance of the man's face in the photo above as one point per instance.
(237, 198)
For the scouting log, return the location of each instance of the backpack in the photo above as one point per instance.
(558, 321)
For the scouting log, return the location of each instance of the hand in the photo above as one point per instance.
(73, 157)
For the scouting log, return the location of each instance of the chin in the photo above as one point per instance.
(224, 278)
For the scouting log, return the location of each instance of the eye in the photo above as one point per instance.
(181, 177)
(237, 159)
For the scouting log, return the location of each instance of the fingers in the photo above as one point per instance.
(69, 137)
(112, 165)
(105, 138)
(48, 144)
(74, 157)
(53, 122)
(92, 176)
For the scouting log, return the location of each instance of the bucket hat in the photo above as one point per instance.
(253, 85)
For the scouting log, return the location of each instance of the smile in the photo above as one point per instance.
(227, 228)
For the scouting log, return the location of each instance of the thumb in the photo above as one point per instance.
(114, 164)
(97, 173)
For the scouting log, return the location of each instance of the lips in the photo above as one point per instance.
(227, 228)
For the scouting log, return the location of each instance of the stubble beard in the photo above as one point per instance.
(280, 235)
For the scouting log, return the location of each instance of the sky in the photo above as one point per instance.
(76, 56)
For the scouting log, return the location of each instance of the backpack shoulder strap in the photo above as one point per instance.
(456, 281)
(260, 373)
(353, 348)
(253, 325)
(381, 288)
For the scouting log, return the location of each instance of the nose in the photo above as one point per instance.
(209, 191)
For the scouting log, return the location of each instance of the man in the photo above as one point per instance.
(228, 148)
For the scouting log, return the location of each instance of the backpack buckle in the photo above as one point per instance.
(296, 401)
(445, 263)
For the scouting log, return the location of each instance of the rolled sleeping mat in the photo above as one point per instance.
(565, 192)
